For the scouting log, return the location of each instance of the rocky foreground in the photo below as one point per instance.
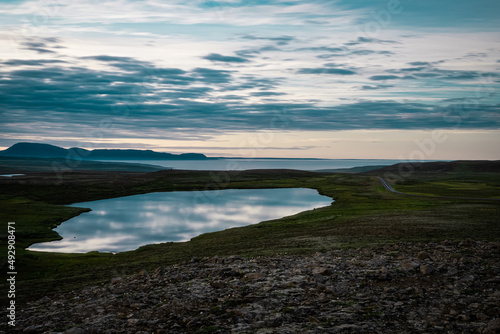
(448, 287)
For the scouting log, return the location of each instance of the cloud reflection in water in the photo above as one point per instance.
(126, 223)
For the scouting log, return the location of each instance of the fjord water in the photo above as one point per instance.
(243, 164)
(126, 223)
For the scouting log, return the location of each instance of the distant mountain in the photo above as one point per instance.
(36, 150)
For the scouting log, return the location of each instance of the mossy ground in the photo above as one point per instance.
(363, 214)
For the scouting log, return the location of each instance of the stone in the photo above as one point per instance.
(320, 279)
(74, 330)
(158, 272)
(218, 284)
(116, 280)
(409, 265)
(312, 319)
(493, 327)
(474, 305)
(423, 255)
(427, 269)
(33, 329)
(254, 276)
(132, 322)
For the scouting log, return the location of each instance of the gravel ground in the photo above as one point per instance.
(447, 287)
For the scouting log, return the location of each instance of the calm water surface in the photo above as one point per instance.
(242, 164)
(126, 223)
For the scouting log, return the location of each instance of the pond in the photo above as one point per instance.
(126, 223)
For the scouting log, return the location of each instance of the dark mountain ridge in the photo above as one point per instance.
(38, 150)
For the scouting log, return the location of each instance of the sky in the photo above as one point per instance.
(341, 79)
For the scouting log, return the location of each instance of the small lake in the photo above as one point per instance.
(126, 223)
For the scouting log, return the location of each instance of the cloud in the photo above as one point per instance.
(41, 45)
(412, 69)
(377, 87)
(347, 52)
(254, 82)
(365, 52)
(327, 70)
(282, 40)
(428, 71)
(112, 59)
(215, 57)
(428, 14)
(384, 77)
(126, 63)
(71, 98)
(212, 76)
(476, 55)
(463, 75)
(87, 91)
(267, 94)
(176, 12)
(395, 115)
(144, 99)
(362, 40)
(419, 63)
(32, 62)
(333, 49)
(37, 49)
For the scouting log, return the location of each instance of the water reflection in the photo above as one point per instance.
(126, 223)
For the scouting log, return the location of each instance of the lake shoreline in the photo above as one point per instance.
(111, 225)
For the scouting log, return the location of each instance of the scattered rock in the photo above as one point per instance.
(493, 327)
(116, 280)
(423, 255)
(74, 330)
(391, 289)
(409, 265)
(427, 269)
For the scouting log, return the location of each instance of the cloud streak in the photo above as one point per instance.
(215, 57)
(174, 98)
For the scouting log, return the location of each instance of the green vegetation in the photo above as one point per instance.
(363, 214)
(448, 179)
(454, 185)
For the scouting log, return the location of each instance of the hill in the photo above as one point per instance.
(38, 150)
(475, 166)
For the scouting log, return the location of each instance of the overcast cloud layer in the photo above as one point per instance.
(127, 71)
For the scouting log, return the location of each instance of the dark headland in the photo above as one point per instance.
(39, 150)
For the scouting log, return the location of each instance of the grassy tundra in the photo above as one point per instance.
(364, 214)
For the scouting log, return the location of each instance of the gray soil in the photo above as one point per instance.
(447, 287)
